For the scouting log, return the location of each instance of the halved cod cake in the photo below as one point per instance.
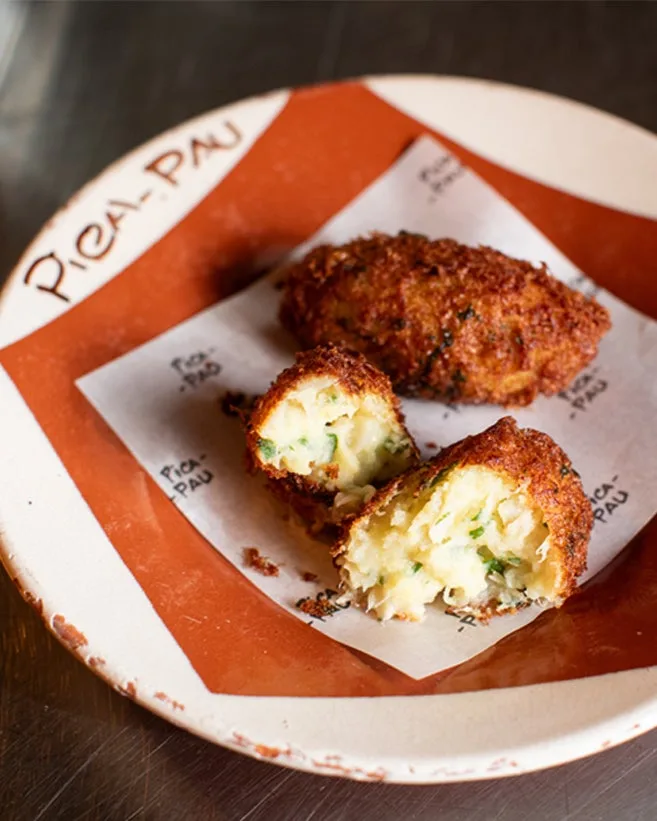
(493, 523)
(328, 432)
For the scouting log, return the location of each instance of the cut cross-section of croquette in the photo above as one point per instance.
(493, 523)
(330, 428)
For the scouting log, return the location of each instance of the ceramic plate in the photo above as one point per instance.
(128, 585)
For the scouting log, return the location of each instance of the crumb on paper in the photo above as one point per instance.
(236, 403)
(309, 577)
(325, 603)
(318, 608)
(253, 558)
(431, 445)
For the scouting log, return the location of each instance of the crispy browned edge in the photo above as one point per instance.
(313, 511)
(525, 455)
(356, 376)
(388, 279)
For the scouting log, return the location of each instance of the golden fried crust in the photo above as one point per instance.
(526, 456)
(444, 320)
(351, 371)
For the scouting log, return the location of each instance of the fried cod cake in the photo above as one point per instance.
(327, 432)
(443, 320)
(494, 523)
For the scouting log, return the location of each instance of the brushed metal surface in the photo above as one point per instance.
(81, 84)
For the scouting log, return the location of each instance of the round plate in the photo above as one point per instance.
(128, 585)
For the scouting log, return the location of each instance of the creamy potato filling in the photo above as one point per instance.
(473, 537)
(342, 441)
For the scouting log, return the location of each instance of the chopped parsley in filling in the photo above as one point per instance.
(470, 536)
(345, 442)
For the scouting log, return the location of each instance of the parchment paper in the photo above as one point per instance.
(163, 400)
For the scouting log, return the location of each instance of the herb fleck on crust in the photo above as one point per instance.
(444, 320)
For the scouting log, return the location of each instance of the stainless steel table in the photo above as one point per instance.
(81, 83)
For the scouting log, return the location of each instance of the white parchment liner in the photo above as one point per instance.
(162, 400)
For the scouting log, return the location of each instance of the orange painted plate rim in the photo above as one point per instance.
(414, 739)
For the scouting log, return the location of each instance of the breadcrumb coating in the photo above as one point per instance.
(444, 320)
